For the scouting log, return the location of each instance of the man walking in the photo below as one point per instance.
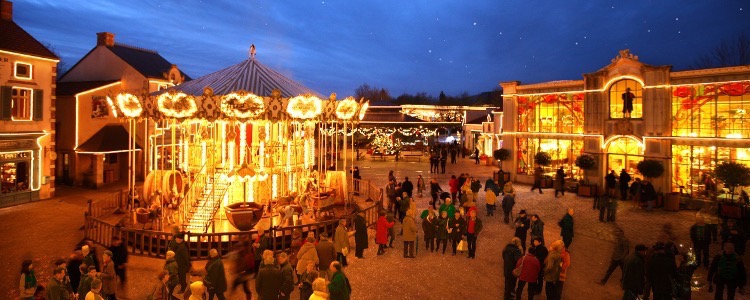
(409, 228)
(624, 180)
(216, 280)
(700, 235)
(538, 173)
(339, 287)
(633, 274)
(108, 276)
(566, 228)
(727, 270)
(622, 248)
(182, 256)
(120, 258)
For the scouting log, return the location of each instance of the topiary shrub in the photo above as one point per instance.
(543, 159)
(585, 162)
(650, 168)
(501, 154)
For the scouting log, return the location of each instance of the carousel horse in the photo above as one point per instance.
(171, 205)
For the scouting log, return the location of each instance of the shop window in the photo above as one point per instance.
(711, 110)
(560, 113)
(22, 71)
(15, 177)
(563, 153)
(21, 104)
(624, 153)
(693, 166)
(626, 99)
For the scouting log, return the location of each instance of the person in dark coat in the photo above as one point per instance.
(360, 235)
(74, 269)
(326, 253)
(435, 191)
(727, 270)
(700, 235)
(56, 289)
(537, 228)
(268, 282)
(182, 256)
(287, 276)
(407, 186)
(443, 160)
(566, 228)
(120, 258)
(622, 248)
(456, 229)
(507, 205)
(259, 246)
(538, 173)
(633, 273)
(522, 224)
(660, 273)
(476, 156)
(511, 254)
(429, 228)
(648, 194)
(89, 257)
(610, 182)
(732, 233)
(442, 231)
(560, 182)
(683, 281)
(624, 180)
(215, 280)
(540, 251)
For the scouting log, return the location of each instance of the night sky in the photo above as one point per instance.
(403, 46)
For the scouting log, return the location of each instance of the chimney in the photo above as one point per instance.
(6, 10)
(105, 39)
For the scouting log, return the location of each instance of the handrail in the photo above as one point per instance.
(190, 197)
(217, 204)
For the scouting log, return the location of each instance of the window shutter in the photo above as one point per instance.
(38, 105)
(5, 102)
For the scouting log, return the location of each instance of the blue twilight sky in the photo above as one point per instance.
(404, 46)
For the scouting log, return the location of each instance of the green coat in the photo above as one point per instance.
(171, 267)
(339, 288)
(410, 229)
(449, 208)
(215, 276)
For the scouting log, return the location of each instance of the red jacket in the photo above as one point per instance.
(531, 268)
(381, 230)
(453, 183)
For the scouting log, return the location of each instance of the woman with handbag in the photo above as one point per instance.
(457, 229)
(341, 242)
(527, 271)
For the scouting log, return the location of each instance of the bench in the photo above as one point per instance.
(417, 156)
(380, 156)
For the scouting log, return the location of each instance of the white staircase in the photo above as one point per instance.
(207, 204)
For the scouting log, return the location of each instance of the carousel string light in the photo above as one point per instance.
(304, 107)
(129, 105)
(176, 105)
(242, 105)
(346, 109)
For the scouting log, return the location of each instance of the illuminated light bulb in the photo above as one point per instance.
(262, 153)
(203, 153)
(274, 186)
(243, 142)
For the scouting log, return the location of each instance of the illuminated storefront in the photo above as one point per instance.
(629, 111)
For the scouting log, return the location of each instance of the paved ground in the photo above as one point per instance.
(49, 229)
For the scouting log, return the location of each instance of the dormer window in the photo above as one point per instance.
(22, 71)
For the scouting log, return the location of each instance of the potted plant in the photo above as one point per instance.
(544, 159)
(501, 155)
(733, 175)
(653, 169)
(586, 162)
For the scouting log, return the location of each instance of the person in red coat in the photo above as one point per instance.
(453, 184)
(381, 232)
(529, 274)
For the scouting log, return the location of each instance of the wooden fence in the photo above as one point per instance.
(154, 243)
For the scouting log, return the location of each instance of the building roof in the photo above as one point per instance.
(389, 117)
(14, 39)
(110, 138)
(478, 120)
(249, 75)
(147, 62)
(73, 88)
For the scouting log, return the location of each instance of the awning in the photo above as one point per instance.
(111, 138)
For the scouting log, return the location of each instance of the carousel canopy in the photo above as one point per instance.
(249, 75)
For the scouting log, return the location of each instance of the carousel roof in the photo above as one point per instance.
(249, 75)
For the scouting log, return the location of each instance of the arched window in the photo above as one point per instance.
(619, 92)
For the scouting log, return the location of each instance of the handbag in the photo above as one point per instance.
(462, 246)
(517, 270)
(345, 251)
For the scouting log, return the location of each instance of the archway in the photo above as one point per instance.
(624, 152)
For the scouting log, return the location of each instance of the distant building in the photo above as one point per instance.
(690, 121)
(93, 140)
(27, 114)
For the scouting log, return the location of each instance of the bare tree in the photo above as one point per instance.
(62, 66)
(729, 53)
(371, 93)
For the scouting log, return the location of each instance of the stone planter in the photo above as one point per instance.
(587, 190)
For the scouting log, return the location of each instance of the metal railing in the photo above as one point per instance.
(192, 195)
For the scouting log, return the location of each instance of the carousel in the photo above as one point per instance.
(239, 149)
